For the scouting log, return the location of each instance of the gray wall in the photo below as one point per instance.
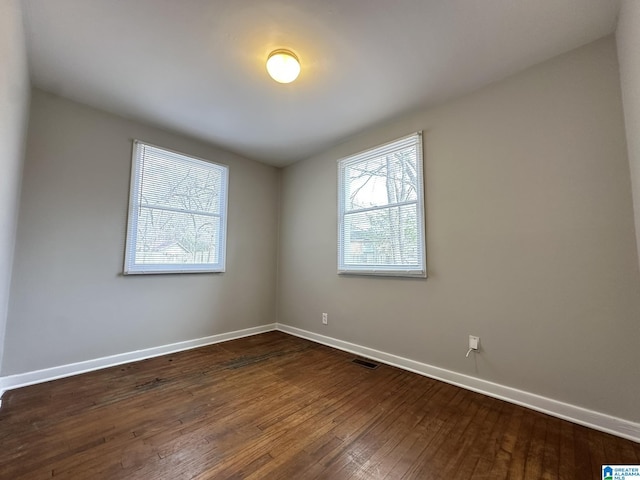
(69, 301)
(628, 41)
(14, 106)
(530, 240)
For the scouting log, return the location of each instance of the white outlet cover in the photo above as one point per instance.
(473, 342)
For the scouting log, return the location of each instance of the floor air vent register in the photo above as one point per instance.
(365, 363)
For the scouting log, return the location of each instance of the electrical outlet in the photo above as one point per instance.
(325, 318)
(473, 342)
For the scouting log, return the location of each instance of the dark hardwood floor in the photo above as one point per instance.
(275, 406)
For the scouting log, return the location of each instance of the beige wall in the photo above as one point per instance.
(530, 240)
(69, 300)
(628, 40)
(14, 106)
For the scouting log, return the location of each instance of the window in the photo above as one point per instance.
(177, 213)
(381, 210)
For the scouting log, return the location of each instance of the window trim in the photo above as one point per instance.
(375, 152)
(130, 268)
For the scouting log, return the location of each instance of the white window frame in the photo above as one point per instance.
(396, 270)
(133, 268)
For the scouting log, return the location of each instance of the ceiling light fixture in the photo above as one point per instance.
(283, 66)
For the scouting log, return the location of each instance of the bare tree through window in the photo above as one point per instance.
(381, 209)
(179, 206)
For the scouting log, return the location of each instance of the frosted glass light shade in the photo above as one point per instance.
(283, 66)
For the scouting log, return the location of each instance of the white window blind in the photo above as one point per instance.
(381, 210)
(177, 213)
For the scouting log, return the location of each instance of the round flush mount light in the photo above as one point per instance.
(283, 66)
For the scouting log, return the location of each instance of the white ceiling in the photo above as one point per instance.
(197, 66)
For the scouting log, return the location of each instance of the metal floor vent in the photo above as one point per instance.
(365, 363)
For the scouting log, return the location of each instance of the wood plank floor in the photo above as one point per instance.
(275, 406)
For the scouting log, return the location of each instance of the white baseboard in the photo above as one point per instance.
(38, 376)
(582, 416)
